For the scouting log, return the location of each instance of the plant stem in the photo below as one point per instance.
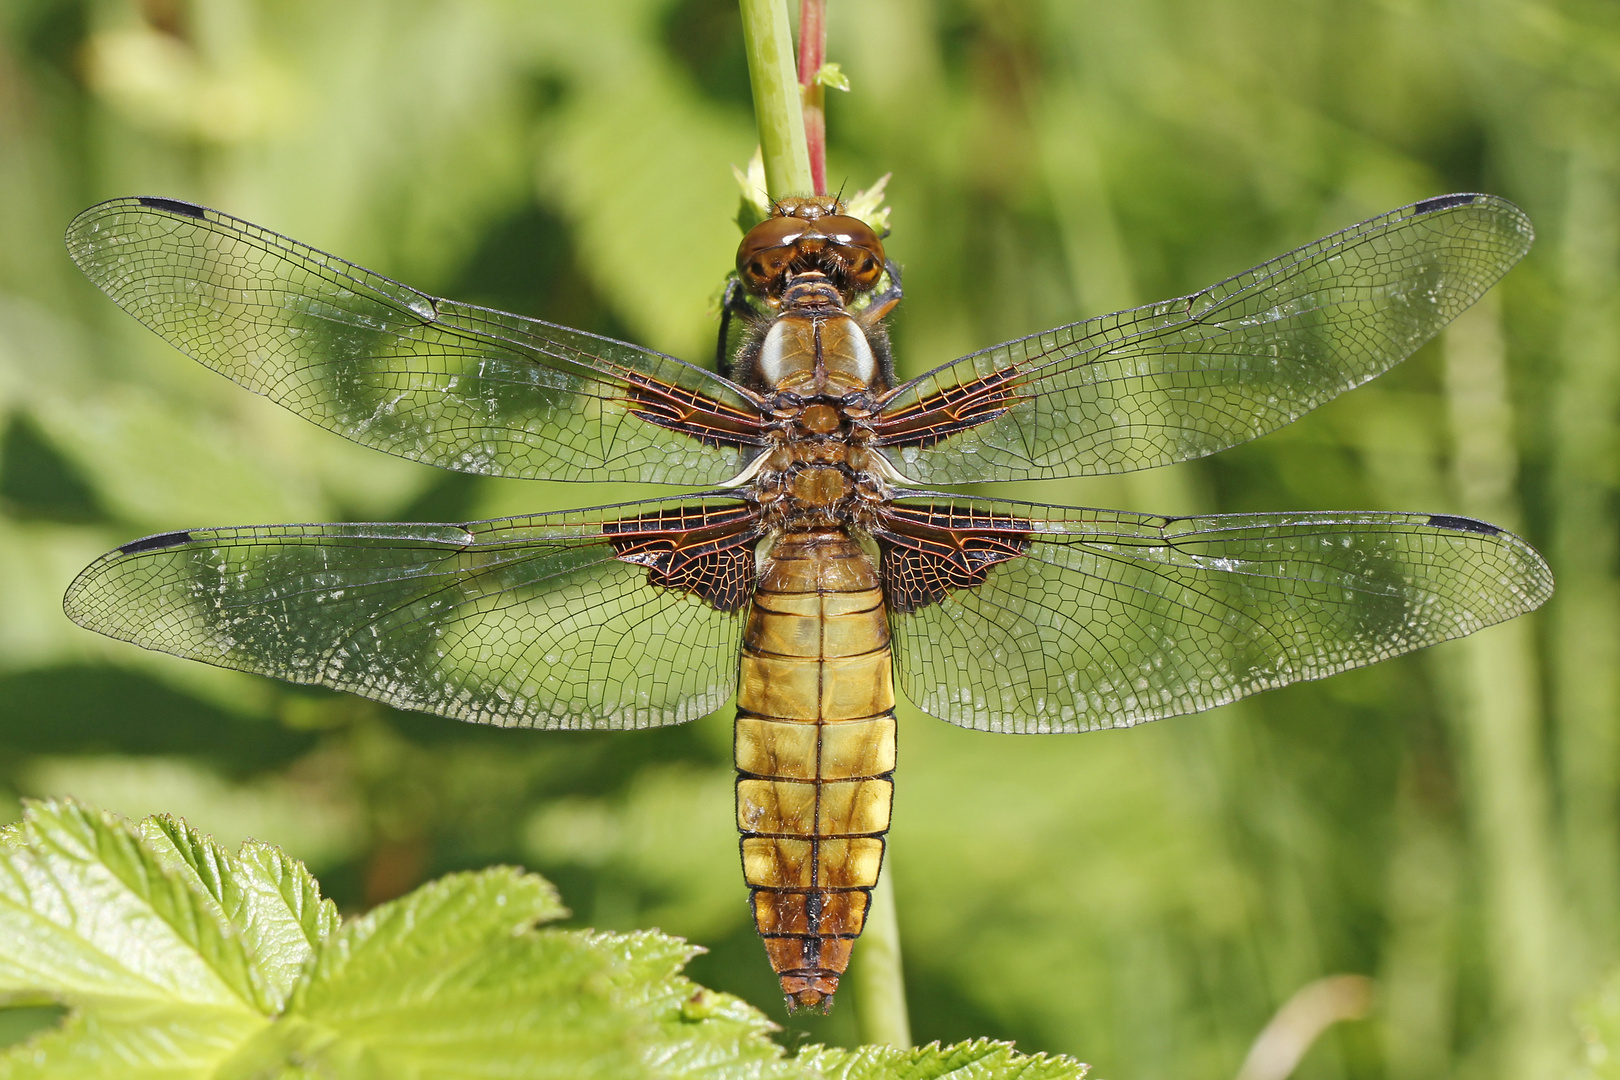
(771, 72)
(812, 54)
(880, 984)
(1498, 703)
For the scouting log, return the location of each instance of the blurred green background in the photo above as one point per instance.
(1445, 823)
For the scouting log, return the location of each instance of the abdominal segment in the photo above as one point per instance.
(815, 755)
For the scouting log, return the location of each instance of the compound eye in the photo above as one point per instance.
(864, 270)
(852, 232)
(767, 250)
(765, 268)
(860, 247)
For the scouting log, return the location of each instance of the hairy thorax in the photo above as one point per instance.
(821, 467)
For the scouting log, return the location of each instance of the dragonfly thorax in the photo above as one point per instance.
(808, 494)
(814, 355)
(821, 468)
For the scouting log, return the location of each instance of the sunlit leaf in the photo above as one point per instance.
(977, 1060)
(180, 959)
(164, 980)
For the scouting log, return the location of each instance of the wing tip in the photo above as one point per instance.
(84, 232)
(1493, 204)
(1536, 575)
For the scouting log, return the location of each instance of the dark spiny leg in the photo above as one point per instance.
(733, 304)
(883, 302)
(872, 315)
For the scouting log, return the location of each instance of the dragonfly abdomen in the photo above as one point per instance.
(815, 745)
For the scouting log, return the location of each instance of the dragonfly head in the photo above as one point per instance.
(805, 235)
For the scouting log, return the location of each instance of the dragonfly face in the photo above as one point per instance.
(820, 573)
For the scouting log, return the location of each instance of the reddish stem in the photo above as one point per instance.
(812, 54)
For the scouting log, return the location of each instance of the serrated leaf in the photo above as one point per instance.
(93, 914)
(182, 960)
(977, 1060)
(271, 898)
(451, 982)
(403, 951)
(735, 1036)
(161, 980)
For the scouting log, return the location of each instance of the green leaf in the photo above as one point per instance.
(164, 983)
(179, 959)
(980, 1059)
(831, 75)
(867, 204)
(99, 917)
(272, 898)
(154, 1041)
(447, 983)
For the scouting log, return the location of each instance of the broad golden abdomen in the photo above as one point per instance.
(815, 753)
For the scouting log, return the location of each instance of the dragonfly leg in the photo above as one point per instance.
(733, 304)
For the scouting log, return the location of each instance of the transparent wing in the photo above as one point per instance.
(521, 622)
(1188, 377)
(454, 385)
(1095, 618)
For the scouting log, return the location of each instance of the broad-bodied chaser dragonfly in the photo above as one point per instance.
(820, 571)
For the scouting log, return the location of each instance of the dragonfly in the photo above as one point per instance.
(824, 566)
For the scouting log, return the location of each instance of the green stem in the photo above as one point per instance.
(769, 42)
(880, 984)
(1498, 703)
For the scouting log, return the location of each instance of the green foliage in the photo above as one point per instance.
(178, 958)
(832, 75)
(978, 1060)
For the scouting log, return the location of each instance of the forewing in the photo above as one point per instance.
(1188, 377)
(1098, 619)
(524, 622)
(454, 385)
